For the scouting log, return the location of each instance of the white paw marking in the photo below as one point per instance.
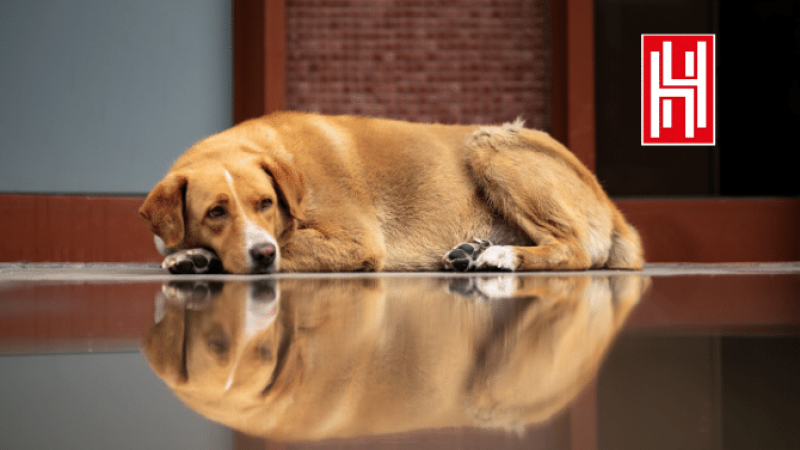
(499, 256)
(503, 286)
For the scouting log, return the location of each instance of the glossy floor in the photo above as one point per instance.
(675, 357)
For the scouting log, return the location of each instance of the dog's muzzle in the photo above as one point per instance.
(263, 257)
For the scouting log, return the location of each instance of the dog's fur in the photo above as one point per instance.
(306, 192)
(325, 358)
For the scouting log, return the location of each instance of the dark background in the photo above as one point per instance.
(757, 100)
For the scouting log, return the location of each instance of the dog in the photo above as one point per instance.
(318, 358)
(299, 192)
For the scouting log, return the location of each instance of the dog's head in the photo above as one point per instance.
(261, 357)
(237, 206)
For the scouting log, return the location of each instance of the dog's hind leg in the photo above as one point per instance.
(540, 187)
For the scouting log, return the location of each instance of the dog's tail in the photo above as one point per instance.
(626, 250)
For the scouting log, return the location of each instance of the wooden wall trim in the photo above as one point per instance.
(275, 55)
(735, 305)
(558, 70)
(66, 228)
(248, 60)
(73, 317)
(259, 58)
(573, 90)
(717, 230)
(580, 81)
(74, 228)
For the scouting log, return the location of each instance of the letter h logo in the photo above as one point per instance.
(678, 84)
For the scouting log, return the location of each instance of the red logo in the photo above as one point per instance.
(678, 82)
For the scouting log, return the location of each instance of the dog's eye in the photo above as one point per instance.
(218, 345)
(264, 353)
(266, 204)
(216, 212)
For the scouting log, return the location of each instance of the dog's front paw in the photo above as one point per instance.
(464, 256)
(484, 287)
(497, 258)
(193, 261)
(194, 295)
(463, 286)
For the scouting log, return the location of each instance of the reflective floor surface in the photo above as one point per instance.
(674, 357)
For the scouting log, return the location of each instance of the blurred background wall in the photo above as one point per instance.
(459, 61)
(100, 97)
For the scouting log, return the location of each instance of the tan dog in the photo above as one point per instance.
(310, 359)
(304, 192)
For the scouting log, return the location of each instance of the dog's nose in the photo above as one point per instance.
(263, 254)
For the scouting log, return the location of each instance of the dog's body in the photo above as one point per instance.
(319, 358)
(304, 192)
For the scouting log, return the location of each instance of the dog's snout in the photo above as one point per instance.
(263, 254)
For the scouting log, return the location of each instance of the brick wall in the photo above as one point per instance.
(453, 61)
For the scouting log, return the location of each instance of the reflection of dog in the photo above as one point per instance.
(302, 192)
(352, 357)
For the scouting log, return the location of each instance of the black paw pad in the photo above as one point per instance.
(462, 257)
(467, 248)
(180, 267)
(193, 261)
(458, 259)
(200, 261)
(465, 287)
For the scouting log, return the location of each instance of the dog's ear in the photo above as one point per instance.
(290, 183)
(162, 211)
(163, 344)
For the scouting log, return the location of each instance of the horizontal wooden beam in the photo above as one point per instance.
(717, 230)
(717, 304)
(75, 317)
(74, 228)
(66, 228)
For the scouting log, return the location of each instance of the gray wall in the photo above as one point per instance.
(96, 401)
(101, 96)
